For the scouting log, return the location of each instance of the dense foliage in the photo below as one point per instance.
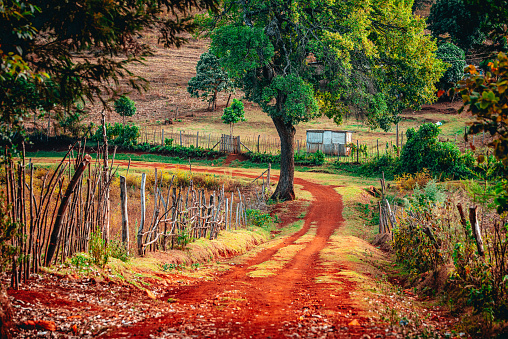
(299, 59)
(456, 58)
(424, 150)
(486, 97)
(125, 106)
(122, 135)
(458, 21)
(233, 114)
(210, 79)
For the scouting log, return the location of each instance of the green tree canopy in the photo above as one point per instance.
(233, 114)
(210, 79)
(125, 107)
(458, 22)
(456, 58)
(301, 59)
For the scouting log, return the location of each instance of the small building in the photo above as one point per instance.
(329, 141)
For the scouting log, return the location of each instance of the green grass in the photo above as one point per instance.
(134, 157)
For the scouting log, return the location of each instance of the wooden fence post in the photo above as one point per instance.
(162, 137)
(55, 233)
(377, 141)
(357, 150)
(142, 221)
(125, 217)
(473, 219)
(197, 139)
(268, 175)
(180, 137)
(397, 132)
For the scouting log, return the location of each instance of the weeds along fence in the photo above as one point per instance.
(59, 210)
(56, 211)
(181, 214)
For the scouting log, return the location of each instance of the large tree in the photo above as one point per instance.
(71, 50)
(300, 59)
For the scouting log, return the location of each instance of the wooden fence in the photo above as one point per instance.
(58, 210)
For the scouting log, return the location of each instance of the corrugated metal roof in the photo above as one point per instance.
(332, 130)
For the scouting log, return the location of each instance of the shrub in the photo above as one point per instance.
(118, 250)
(456, 58)
(258, 218)
(408, 182)
(443, 159)
(97, 249)
(125, 136)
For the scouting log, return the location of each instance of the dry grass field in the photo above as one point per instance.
(169, 70)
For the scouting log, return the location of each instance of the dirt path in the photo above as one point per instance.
(290, 302)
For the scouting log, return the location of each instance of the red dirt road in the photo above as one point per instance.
(289, 303)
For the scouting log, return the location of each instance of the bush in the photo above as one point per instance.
(456, 58)
(118, 250)
(125, 136)
(442, 159)
(408, 182)
(258, 218)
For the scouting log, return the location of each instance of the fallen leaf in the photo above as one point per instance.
(73, 317)
(46, 325)
(354, 323)
(75, 329)
(151, 294)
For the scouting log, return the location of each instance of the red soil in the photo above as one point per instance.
(274, 306)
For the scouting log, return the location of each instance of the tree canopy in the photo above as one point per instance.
(210, 79)
(458, 22)
(233, 114)
(301, 59)
(125, 106)
(456, 58)
(72, 50)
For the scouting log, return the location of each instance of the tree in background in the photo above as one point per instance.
(76, 50)
(125, 107)
(233, 114)
(300, 59)
(458, 22)
(210, 79)
(456, 58)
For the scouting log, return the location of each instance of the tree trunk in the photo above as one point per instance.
(285, 189)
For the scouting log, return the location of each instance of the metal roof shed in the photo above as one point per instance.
(330, 142)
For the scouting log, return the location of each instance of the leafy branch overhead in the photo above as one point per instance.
(486, 97)
(70, 51)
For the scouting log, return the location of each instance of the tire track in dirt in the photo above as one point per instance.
(272, 300)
